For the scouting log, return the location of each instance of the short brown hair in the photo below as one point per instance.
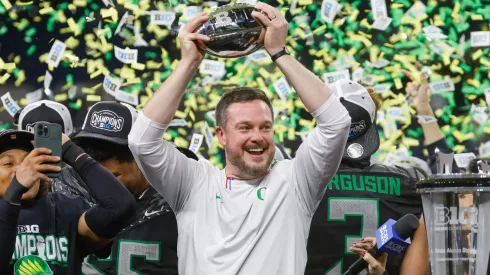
(239, 95)
(375, 97)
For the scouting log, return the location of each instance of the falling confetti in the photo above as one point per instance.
(81, 52)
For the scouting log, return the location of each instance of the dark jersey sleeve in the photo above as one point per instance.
(147, 246)
(9, 214)
(70, 183)
(70, 209)
(356, 203)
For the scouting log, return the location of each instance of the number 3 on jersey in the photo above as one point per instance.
(127, 250)
(339, 208)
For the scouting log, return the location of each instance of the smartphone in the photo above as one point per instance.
(48, 135)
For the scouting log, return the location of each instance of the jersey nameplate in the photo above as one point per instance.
(382, 184)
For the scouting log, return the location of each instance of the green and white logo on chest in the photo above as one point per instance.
(32, 265)
(261, 193)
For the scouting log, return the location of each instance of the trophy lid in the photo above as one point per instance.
(455, 180)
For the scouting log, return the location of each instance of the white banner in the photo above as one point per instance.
(111, 85)
(165, 18)
(127, 56)
(480, 39)
(282, 88)
(330, 78)
(196, 142)
(442, 86)
(127, 98)
(9, 103)
(212, 67)
(56, 53)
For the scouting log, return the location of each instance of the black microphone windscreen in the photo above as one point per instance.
(406, 226)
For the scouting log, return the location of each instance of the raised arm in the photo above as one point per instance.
(318, 158)
(312, 91)
(172, 174)
(433, 137)
(115, 205)
(162, 106)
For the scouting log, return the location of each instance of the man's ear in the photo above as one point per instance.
(220, 133)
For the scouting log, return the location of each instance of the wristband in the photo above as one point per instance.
(15, 191)
(422, 119)
(70, 152)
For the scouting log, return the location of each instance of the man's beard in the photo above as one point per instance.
(238, 161)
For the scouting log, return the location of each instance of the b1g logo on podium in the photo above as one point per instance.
(447, 216)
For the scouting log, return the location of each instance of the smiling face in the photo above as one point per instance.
(9, 161)
(248, 138)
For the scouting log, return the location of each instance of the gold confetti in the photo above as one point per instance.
(20, 3)
(46, 10)
(94, 98)
(4, 78)
(61, 97)
(6, 4)
(138, 66)
(73, 26)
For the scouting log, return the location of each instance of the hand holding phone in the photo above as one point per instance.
(48, 135)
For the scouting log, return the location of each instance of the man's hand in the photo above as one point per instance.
(31, 170)
(275, 27)
(419, 93)
(192, 44)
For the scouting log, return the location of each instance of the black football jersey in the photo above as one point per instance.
(147, 246)
(70, 183)
(48, 228)
(356, 203)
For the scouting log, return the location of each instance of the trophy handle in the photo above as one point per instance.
(483, 167)
(444, 162)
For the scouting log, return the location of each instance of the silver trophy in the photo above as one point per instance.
(233, 31)
(457, 219)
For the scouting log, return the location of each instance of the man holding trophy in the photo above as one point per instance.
(251, 217)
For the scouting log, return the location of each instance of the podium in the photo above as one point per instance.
(457, 219)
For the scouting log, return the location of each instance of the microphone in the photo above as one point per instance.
(392, 238)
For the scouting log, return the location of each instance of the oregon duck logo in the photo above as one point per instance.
(32, 265)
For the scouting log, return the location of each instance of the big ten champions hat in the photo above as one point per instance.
(363, 138)
(110, 121)
(44, 110)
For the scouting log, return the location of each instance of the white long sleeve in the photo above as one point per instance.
(319, 156)
(171, 173)
(244, 227)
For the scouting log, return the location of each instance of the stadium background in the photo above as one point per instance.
(29, 29)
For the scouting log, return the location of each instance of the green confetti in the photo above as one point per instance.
(31, 50)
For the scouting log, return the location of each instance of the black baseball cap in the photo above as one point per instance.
(363, 138)
(14, 139)
(108, 120)
(45, 110)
